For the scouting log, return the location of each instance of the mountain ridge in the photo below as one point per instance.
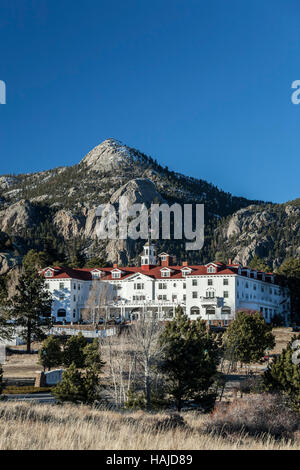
(55, 210)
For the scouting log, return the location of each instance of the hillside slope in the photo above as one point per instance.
(55, 210)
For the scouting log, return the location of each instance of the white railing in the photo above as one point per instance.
(56, 330)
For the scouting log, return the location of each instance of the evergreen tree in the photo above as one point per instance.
(290, 271)
(50, 354)
(71, 388)
(259, 264)
(31, 302)
(92, 357)
(6, 329)
(34, 260)
(283, 375)
(248, 336)
(190, 358)
(74, 351)
(78, 387)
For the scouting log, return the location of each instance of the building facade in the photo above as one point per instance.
(213, 292)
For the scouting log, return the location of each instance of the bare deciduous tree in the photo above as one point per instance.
(121, 361)
(144, 337)
(100, 294)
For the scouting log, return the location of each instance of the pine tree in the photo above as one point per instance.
(92, 357)
(6, 329)
(283, 375)
(248, 336)
(71, 388)
(190, 358)
(78, 387)
(31, 302)
(74, 351)
(259, 264)
(50, 354)
(290, 271)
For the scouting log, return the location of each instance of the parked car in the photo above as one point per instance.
(296, 328)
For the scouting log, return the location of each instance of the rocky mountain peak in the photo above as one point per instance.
(109, 156)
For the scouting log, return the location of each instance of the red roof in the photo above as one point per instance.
(85, 274)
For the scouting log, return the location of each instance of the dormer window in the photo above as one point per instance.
(49, 273)
(165, 272)
(96, 274)
(185, 271)
(116, 273)
(211, 269)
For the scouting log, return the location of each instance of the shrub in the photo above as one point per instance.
(50, 354)
(74, 351)
(173, 421)
(78, 387)
(14, 390)
(284, 376)
(256, 415)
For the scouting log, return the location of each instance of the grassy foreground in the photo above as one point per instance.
(41, 427)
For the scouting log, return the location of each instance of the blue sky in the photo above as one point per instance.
(203, 86)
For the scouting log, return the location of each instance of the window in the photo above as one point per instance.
(226, 310)
(194, 282)
(247, 285)
(184, 297)
(184, 285)
(210, 294)
(47, 285)
(61, 285)
(161, 285)
(74, 286)
(164, 258)
(225, 282)
(49, 273)
(61, 298)
(162, 297)
(254, 286)
(209, 282)
(74, 313)
(74, 298)
(195, 311)
(139, 286)
(210, 311)
(211, 269)
(225, 294)
(96, 274)
(61, 312)
(165, 273)
(116, 275)
(195, 295)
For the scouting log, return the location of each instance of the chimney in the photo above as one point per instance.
(146, 267)
(229, 261)
(184, 263)
(115, 265)
(167, 261)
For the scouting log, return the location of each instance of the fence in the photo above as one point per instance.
(56, 330)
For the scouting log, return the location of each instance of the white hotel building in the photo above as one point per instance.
(214, 292)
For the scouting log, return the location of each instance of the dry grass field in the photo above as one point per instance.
(42, 427)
